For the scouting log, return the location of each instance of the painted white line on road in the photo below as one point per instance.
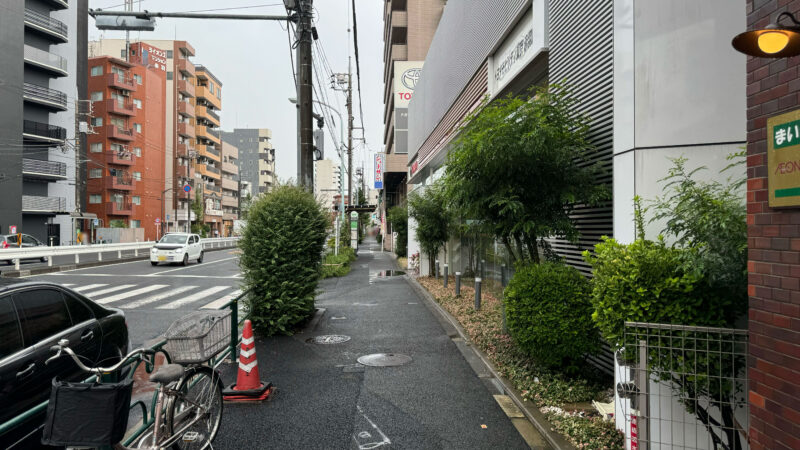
(192, 266)
(194, 297)
(142, 276)
(129, 294)
(218, 303)
(108, 290)
(158, 297)
(90, 286)
(68, 284)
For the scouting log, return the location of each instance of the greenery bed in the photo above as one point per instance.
(337, 265)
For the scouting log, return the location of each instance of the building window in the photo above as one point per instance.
(137, 151)
(122, 54)
(97, 96)
(95, 173)
(137, 127)
(138, 79)
(95, 198)
(137, 176)
(136, 200)
(138, 103)
(97, 147)
(97, 70)
(97, 121)
(136, 224)
(169, 54)
(169, 76)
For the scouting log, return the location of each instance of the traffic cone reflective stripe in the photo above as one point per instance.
(248, 386)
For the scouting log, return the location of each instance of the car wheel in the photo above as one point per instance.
(200, 258)
(185, 259)
(153, 263)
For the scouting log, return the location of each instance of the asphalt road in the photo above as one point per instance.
(153, 297)
(66, 259)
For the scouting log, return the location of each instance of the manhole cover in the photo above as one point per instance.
(384, 359)
(389, 273)
(328, 339)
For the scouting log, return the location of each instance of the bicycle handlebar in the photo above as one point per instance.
(63, 346)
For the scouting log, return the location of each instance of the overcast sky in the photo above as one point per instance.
(251, 58)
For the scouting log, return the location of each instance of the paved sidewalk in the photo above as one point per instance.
(326, 400)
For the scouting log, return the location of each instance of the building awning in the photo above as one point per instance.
(83, 215)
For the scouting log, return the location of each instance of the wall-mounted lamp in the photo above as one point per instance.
(773, 41)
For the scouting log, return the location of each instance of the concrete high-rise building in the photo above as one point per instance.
(408, 29)
(126, 148)
(327, 182)
(43, 73)
(230, 187)
(256, 157)
(173, 57)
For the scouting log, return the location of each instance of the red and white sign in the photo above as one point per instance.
(12, 229)
(379, 159)
(158, 220)
(634, 433)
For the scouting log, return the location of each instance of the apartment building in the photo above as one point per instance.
(230, 187)
(256, 157)
(125, 175)
(327, 182)
(174, 57)
(408, 28)
(208, 146)
(42, 49)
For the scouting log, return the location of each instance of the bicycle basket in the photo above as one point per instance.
(196, 338)
(87, 414)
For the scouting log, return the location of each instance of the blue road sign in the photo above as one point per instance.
(187, 188)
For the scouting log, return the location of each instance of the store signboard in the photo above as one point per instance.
(526, 40)
(406, 76)
(783, 159)
(379, 164)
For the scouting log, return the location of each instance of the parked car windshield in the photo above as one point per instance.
(173, 239)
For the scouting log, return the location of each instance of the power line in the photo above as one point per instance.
(358, 72)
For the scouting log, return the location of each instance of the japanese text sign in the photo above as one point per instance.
(783, 159)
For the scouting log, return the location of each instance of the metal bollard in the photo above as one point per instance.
(445, 276)
(503, 283)
(436, 269)
(458, 284)
(477, 294)
(99, 256)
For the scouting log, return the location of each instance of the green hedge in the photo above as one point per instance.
(281, 244)
(548, 313)
(338, 265)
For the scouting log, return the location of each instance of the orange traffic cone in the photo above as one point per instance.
(248, 386)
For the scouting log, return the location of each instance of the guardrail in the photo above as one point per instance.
(132, 365)
(18, 254)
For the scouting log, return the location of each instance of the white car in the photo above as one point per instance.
(177, 247)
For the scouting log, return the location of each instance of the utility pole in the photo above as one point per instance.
(305, 130)
(349, 132)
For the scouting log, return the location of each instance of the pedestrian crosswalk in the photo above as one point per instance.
(157, 296)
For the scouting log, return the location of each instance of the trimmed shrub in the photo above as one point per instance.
(548, 311)
(281, 247)
(338, 265)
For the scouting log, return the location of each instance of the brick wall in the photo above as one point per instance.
(773, 87)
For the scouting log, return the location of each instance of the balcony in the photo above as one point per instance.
(122, 182)
(123, 108)
(44, 170)
(203, 169)
(230, 168)
(185, 149)
(43, 132)
(208, 151)
(44, 96)
(230, 216)
(123, 208)
(208, 133)
(119, 81)
(186, 129)
(209, 188)
(120, 157)
(208, 114)
(115, 132)
(186, 109)
(186, 87)
(59, 4)
(213, 212)
(184, 66)
(43, 205)
(203, 93)
(228, 200)
(46, 60)
(46, 25)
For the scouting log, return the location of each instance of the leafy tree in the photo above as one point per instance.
(244, 206)
(118, 223)
(520, 165)
(398, 218)
(198, 207)
(281, 247)
(434, 220)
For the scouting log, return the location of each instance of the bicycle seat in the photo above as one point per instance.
(167, 374)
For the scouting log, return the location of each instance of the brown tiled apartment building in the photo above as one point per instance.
(773, 88)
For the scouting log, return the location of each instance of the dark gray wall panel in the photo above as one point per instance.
(11, 79)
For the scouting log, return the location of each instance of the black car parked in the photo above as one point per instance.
(33, 317)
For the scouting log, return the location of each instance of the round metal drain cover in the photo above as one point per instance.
(389, 273)
(384, 359)
(328, 339)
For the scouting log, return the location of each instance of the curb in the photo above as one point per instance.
(66, 267)
(536, 417)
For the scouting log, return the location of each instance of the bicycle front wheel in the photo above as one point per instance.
(199, 400)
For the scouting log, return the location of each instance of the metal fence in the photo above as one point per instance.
(686, 387)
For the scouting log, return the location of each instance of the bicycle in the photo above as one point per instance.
(188, 408)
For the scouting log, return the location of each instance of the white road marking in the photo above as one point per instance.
(108, 290)
(130, 294)
(116, 275)
(218, 303)
(192, 266)
(158, 297)
(68, 284)
(90, 286)
(194, 297)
